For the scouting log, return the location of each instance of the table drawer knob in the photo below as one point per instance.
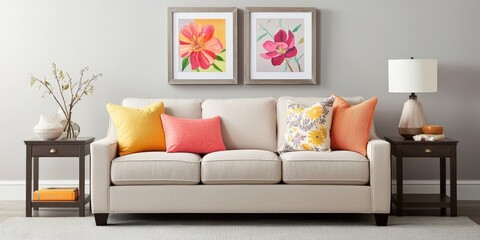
(53, 150)
(428, 150)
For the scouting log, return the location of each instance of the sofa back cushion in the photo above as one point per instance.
(247, 123)
(307, 102)
(183, 108)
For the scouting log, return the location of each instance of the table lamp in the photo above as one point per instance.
(412, 76)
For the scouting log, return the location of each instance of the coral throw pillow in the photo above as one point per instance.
(138, 130)
(193, 135)
(351, 125)
(308, 129)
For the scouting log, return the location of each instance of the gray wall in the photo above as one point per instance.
(127, 42)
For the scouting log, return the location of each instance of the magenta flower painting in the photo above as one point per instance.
(282, 48)
(280, 45)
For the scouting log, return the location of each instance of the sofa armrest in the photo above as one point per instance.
(378, 152)
(103, 152)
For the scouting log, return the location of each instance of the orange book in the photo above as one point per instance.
(56, 194)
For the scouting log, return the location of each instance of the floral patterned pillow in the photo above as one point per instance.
(308, 129)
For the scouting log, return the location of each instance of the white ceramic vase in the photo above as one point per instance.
(48, 127)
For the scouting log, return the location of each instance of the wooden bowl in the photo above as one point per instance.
(432, 129)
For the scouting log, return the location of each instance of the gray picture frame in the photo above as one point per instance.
(171, 79)
(247, 61)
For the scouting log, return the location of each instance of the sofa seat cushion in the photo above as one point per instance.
(336, 167)
(156, 168)
(241, 167)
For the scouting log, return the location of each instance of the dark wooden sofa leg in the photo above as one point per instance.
(381, 219)
(101, 219)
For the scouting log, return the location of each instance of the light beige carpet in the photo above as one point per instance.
(145, 227)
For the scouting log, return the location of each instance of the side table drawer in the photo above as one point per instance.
(55, 151)
(426, 151)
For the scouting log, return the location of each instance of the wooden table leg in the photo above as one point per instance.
(453, 181)
(81, 183)
(399, 186)
(443, 183)
(36, 176)
(28, 183)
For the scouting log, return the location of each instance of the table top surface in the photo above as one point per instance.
(77, 141)
(401, 140)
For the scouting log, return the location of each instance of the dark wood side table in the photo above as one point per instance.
(36, 149)
(401, 148)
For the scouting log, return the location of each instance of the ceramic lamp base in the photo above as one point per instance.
(412, 119)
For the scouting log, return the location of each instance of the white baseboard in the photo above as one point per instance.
(15, 189)
(466, 189)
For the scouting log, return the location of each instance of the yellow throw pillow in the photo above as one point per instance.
(308, 129)
(138, 130)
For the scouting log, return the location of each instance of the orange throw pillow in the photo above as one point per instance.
(351, 125)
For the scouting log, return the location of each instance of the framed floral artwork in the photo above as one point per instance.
(280, 46)
(202, 46)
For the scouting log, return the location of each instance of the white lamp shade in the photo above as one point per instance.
(412, 75)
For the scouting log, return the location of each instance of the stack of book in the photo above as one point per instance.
(56, 194)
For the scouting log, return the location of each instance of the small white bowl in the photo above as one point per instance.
(48, 133)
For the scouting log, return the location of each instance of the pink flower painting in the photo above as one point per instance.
(199, 47)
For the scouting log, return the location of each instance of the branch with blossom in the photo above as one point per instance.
(66, 92)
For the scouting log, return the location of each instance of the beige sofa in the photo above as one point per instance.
(250, 177)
